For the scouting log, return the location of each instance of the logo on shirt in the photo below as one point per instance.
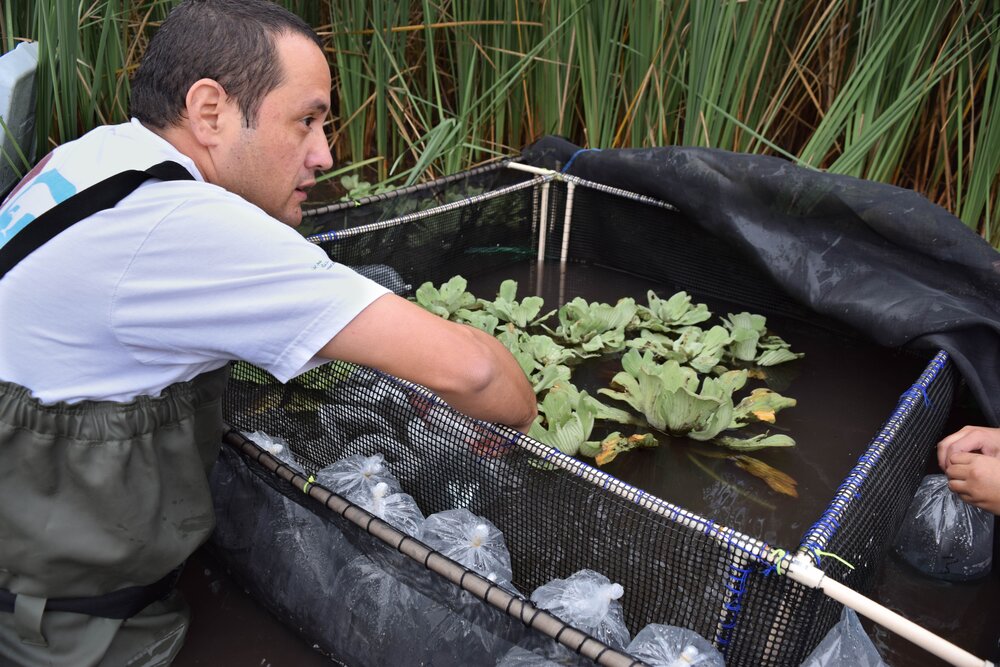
(30, 201)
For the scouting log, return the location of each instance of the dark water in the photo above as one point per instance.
(845, 390)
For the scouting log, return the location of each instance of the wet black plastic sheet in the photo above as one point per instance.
(882, 259)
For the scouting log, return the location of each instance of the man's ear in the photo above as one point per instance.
(208, 110)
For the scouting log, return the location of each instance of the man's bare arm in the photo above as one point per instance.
(468, 368)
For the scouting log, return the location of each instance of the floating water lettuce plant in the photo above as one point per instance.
(670, 314)
(749, 342)
(668, 395)
(594, 328)
(672, 399)
(446, 300)
(566, 419)
(507, 308)
(701, 350)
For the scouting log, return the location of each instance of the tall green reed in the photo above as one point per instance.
(902, 91)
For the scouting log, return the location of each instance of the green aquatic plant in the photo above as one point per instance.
(615, 444)
(750, 342)
(671, 399)
(760, 406)
(447, 300)
(507, 308)
(478, 319)
(594, 328)
(752, 444)
(668, 395)
(565, 419)
(701, 350)
(670, 314)
(533, 351)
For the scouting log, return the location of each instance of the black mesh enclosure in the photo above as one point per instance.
(343, 578)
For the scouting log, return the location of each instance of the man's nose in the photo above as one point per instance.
(319, 157)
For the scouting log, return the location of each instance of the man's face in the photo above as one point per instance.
(273, 164)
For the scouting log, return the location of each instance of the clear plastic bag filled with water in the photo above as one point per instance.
(845, 645)
(944, 537)
(671, 646)
(355, 476)
(470, 540)
(588, 601)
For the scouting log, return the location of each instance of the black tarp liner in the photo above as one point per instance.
(883, 259)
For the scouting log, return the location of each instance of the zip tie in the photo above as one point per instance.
(833, 556)
(776, 566)
(573, 157)
(305, 487)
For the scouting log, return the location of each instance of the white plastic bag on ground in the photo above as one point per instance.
(588, 601)
(670, 646)
(354, 477)
(943, 536)
(846, 645)
(397, 509)
(470, 540)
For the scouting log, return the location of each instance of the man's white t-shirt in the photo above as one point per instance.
(177, 279)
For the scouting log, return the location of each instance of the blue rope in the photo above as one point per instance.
(573, 157)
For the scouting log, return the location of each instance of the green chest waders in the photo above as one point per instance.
(100, 502)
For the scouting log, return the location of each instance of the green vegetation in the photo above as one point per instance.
(679, 385)
(900, 91)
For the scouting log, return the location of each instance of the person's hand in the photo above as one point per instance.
(979, 439)
(970, 458)
(976, 479)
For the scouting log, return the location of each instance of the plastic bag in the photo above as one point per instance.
(397, 509)
(550, 654)
(589, 601)
(470, 540)
(846, 645)
(670, 646)
(355, 476)
(944, 537)
(275, 446)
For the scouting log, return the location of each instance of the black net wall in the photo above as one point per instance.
(558, 515)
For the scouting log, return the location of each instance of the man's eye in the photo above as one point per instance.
(308, 120)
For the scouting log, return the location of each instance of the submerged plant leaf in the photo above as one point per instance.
(446, 300)
(616, 444)
(774, 478)
(752, 444)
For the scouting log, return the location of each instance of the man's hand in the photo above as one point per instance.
(970, 458)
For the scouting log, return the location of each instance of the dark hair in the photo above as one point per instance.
(230, 41)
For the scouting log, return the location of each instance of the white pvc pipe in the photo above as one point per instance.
(567, 222)
(543, 222)
(804, 572)
(531, 170)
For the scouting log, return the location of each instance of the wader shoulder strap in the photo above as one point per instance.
(97, 197)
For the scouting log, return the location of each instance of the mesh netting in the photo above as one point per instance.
(558, 515)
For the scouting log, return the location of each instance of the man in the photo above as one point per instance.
(116, 331)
